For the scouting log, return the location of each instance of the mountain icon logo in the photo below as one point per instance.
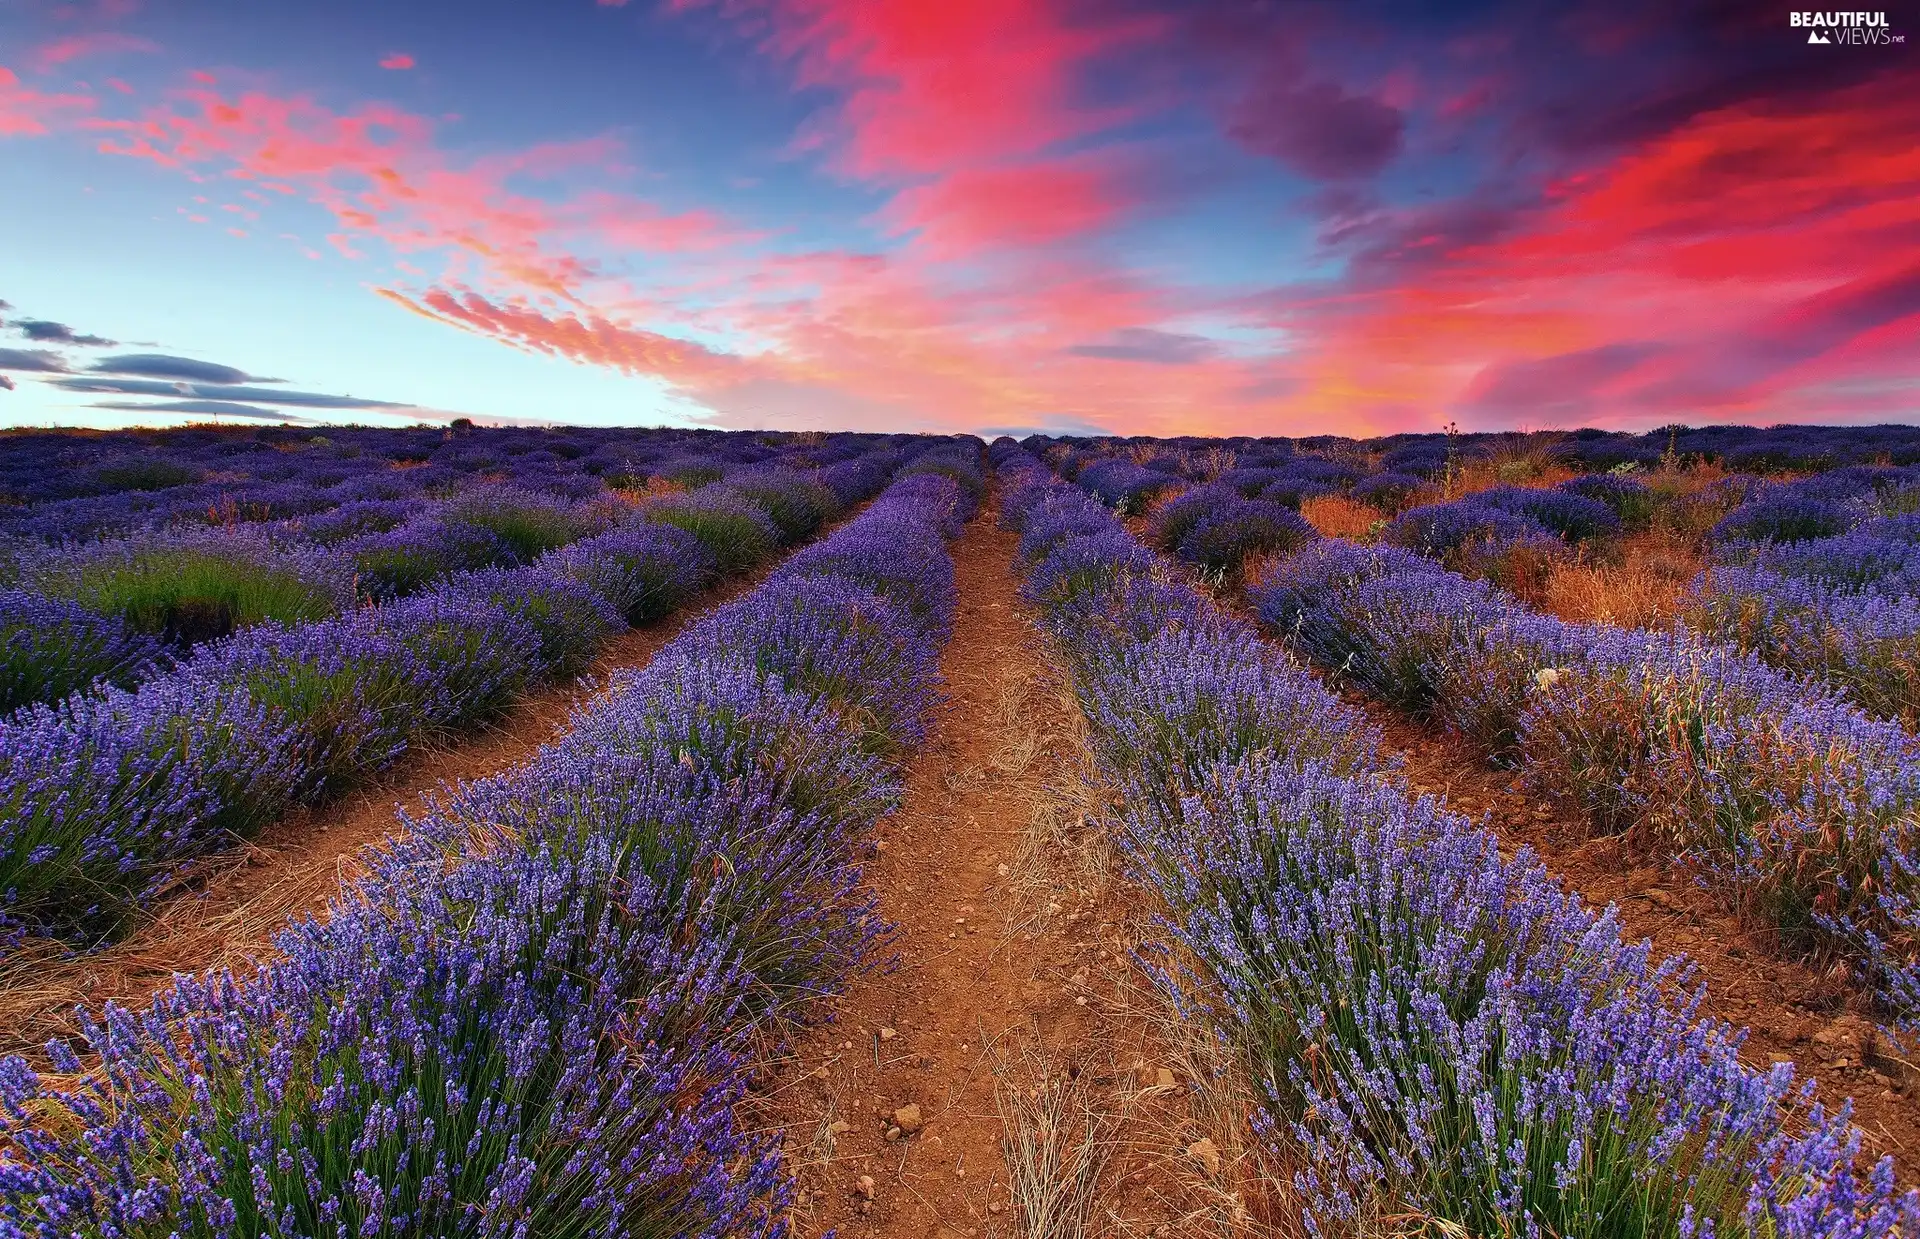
(1817, 37)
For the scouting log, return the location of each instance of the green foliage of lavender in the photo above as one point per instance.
(191, 587)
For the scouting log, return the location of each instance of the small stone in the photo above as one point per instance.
(887, 1034)
(1163, 1078)
(865, 1187)
(893, 1133)
(1204, 1152)
(819, 1073)
(1002, 870)
(839, 1126)
(880, 846)
(993, 1207)
(907, 1117)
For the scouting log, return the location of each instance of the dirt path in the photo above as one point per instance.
(238, 900)
(1792, 1015)
(1012, 1019)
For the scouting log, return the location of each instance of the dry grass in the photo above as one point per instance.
(1639, 586)
(1337, 516)
(1212, 462)
(1184, 1161)
(1058, 1138)
(1186, 1147)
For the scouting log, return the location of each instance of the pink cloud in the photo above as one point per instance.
(377, 169)
(931, 87)
(25, 112)
(50, 56)
(396, 60)
(582, 336)
(996, 208)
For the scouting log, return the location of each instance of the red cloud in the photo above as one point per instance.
(396, 60)
(933, 86)
(1726, 269)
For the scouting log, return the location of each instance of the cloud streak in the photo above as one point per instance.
(47, 331)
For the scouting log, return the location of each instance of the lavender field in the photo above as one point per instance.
(1435, 835)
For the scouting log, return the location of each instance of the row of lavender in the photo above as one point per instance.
(1803, 809)
(1786, 795)
(535, 1017)
(1823, 576)
(1737, 449)
(105, 795)
(66, 484)
(117, 608)
(1436, 1033)
(1820, 575)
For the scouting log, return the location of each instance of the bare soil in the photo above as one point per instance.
(1005, 1075)
(227, 911)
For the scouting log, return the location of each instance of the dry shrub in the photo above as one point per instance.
(1337, 516)
(1640, 586)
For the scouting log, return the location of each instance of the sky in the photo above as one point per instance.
(1072, 216)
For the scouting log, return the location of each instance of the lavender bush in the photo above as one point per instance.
(1865, 644)
(51, 648)
(189, 586)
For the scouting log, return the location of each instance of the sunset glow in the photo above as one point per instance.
(1064, 215)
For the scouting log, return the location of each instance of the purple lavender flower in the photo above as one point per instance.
(642, 571)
